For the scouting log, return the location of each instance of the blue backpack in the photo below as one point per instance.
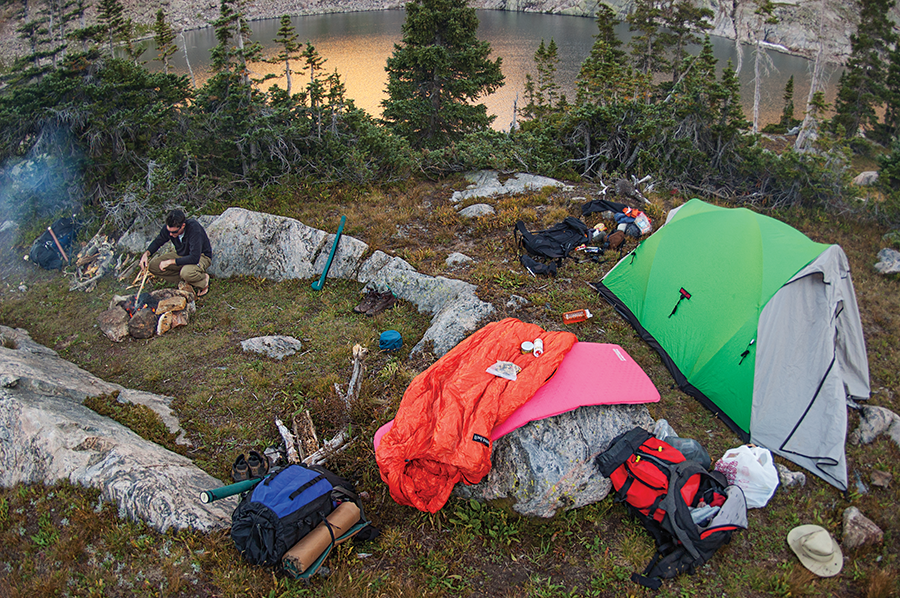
(279, 511)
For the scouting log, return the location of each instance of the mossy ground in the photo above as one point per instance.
(60, 541)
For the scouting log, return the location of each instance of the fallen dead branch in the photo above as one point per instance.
(301, 445)
(290, 442)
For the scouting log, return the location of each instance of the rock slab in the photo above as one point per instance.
(859, 530)
(873, 422)
(486, 183)
(249, 243)
(888, 261)
(49, 436)
(276, 347)
(548, 465)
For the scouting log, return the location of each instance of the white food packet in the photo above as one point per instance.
(504, 369)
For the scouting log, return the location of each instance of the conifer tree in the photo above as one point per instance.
(861, 88)
(787, 114)
(542, 96)
(606, 31)
(164, 36)
(315, 89)
(605, 77)
(84, 33)
(234, 49)
(111, 15)
(648, 38)
(437, 72)
(289, 48)
(684, 22)
(892, 96)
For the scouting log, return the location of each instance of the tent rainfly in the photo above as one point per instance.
(756, 321)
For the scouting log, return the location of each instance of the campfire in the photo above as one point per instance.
(144, 315)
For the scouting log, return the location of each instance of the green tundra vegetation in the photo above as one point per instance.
(85, 126)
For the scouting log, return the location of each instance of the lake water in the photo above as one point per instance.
(357, 45)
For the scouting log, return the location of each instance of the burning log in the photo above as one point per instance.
(157, 312)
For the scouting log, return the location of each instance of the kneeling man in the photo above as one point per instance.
(191, 258)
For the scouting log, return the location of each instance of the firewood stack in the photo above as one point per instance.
(96, 259)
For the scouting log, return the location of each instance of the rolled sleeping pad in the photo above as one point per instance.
(208, 496)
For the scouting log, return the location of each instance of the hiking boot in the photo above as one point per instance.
(385, 301)
(368, 302)
(240, 471)
(257, 464)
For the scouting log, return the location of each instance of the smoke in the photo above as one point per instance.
(44, 184)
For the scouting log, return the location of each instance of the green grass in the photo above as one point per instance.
(61, 540)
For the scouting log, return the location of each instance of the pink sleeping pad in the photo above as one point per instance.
(590, 374)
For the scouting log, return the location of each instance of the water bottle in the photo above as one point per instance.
(579, 315)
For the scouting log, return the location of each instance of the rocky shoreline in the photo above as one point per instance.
(795, 33)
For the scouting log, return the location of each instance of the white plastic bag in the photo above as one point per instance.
(505, 369)
(752, 469)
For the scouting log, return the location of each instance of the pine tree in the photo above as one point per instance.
(437, 72)
(605, 77)
(788, 121)
(287, 40)
(606, 32)
(861, 88)
(542, 96)
(892, 96)
(84, 33)
(234, 49)
(316, 91)
(111, 15)
(164, 36)
(684, 23)
(649, 39)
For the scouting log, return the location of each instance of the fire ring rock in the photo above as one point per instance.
(143, 324)
(114, 323)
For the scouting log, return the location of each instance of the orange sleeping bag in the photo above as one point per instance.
(442, 430)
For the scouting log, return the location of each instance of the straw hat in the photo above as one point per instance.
(817, 550)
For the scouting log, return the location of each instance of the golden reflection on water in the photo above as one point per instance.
(357, 46)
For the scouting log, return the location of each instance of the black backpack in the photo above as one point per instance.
(554, 243)
(661, 488)
(44, 252)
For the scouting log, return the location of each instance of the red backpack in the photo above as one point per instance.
(666, 493)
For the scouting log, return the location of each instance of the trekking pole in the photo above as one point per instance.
(317, 286)
(208, 496)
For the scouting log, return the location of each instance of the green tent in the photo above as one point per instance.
(756, 321)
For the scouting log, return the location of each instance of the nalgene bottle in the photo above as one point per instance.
(579, 315)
